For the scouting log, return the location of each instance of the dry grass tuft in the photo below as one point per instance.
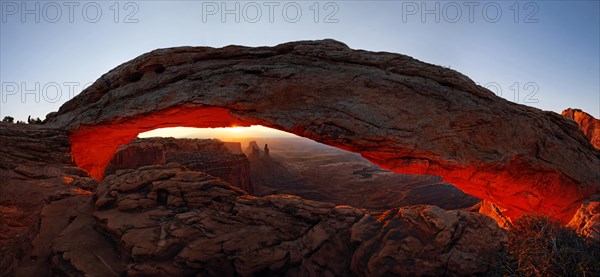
(541, 246)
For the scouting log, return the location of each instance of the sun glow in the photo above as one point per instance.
(237, 130)
(234, 132)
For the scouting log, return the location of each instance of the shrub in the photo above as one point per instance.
(8, 119)
(31, 120)
(542, 246)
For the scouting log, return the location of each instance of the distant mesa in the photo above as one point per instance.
(223, 160)
(233, 147)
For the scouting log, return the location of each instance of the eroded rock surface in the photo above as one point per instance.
(400, 113)
(208, 155)
(81, 250)
(414, 241)
(589, 125)
(168, 220)
(36, 171)
(587, 219)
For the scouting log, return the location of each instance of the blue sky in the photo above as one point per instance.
(547, 52)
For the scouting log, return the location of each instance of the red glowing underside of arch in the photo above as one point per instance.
(94, 146)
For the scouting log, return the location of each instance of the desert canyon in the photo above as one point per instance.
(436, 167)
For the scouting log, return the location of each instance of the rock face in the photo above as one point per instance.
(167, 220)
(589, 125)
(400, 113)
(233, 147)
(80, 249)
(453, 238)
(493, 211)
(587, 219)
(208, 155)
(36, 172)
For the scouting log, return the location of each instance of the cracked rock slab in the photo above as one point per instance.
(210, 228)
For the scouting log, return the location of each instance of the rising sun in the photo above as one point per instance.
(237, 130)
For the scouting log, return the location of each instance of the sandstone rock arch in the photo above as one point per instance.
(398, 112)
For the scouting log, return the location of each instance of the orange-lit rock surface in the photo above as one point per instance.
(587, 219)
(495, 212)
(589, 125)
(398, 112)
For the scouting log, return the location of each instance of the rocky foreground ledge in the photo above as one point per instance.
(172, 221)
(167, 219)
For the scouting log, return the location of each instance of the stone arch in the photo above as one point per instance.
(402, 114)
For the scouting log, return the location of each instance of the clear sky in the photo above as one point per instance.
(547, 52)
